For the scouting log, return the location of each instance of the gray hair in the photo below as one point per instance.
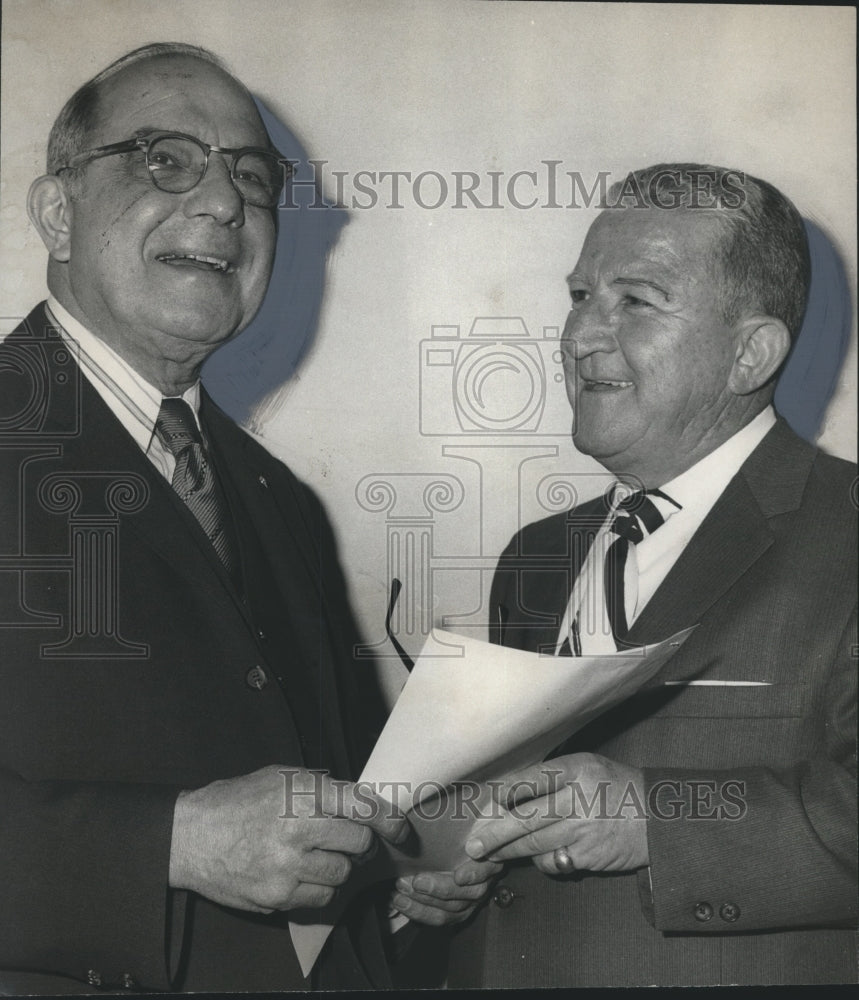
(763, 255)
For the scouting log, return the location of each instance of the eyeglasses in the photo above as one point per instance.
(177, 163)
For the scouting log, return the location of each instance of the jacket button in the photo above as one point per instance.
(504, 896)
(93, 977)
(261, 635)
(255, 678)
(128, 982)
(729, 912)
(703, 912)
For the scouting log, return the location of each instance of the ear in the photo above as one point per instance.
(762, 345)
(50, 211)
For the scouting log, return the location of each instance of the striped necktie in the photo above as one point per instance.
(635, 518)
(194, 478)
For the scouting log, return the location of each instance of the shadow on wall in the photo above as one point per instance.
(810, 376)
(250, 369)
(247, 370)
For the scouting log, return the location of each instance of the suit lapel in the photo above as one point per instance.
(104, 448)
(271, 511)
(733, 536)
(282, 519)
(544, 572)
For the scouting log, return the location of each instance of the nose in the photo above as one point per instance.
(588, 330)
(216, 195)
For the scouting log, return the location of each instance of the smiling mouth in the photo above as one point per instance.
(604, 384)
(197, 260)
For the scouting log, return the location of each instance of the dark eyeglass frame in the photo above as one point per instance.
(144, 142)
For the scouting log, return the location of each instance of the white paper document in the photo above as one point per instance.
(477, 712)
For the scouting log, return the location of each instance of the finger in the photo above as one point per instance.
(497, 833)
(537, 842)
(325, 868)
(548, 863)
(471, 872)
(531, 782)
(562, 861)
(309, 895)
(363, 805)
(367, 856)
(423, 913)
(447, 905)
(341, 835)
(441, 887)
(544, 863)
(519, 785)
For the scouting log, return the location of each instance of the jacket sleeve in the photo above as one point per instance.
(758, 848)
(84, 870)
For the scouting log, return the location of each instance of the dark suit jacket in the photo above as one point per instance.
(130, 670)
(766, 893)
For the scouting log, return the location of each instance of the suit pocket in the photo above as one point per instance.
(770, 701)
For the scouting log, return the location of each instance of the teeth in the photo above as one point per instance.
(605, 381)
(216, 262)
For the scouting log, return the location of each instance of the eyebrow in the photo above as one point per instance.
(573, 276)
(146, 130)
(644, 281)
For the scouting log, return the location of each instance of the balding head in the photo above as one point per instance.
(76, 123)
(163, 257)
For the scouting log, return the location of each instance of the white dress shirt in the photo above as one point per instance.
(649, 562)
(132, 400)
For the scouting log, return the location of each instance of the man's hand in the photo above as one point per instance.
(592, 807)
(277, 839)
(438, 898)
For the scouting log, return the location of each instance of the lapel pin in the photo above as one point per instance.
(263, 482)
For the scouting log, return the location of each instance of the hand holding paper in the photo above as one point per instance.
(472, 710)
(438, 898)
(276, 839)
(589, 805)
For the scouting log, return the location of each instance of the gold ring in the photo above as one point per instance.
(563, 861)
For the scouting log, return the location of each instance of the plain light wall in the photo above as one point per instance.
(445, 86)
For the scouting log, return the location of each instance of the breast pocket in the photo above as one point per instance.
(738, 701)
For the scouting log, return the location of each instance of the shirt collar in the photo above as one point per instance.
(701, 485)
(133, 399)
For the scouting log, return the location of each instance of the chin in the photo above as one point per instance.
(611, 455)
(197, 327)
(592, 444)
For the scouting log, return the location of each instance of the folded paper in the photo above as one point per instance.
(473, 711)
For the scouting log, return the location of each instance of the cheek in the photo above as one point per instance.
(652, 358)
(681, 364)
(132, 218)
(113, 237)
(710, 363)
(261, 252)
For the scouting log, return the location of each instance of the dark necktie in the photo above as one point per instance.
(194, 478)
(636, 518)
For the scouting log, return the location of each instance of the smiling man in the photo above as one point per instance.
(705, 831)
(175, 642)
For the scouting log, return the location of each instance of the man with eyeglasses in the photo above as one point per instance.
(160, 818)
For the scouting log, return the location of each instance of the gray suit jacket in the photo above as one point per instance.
(761, 889)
